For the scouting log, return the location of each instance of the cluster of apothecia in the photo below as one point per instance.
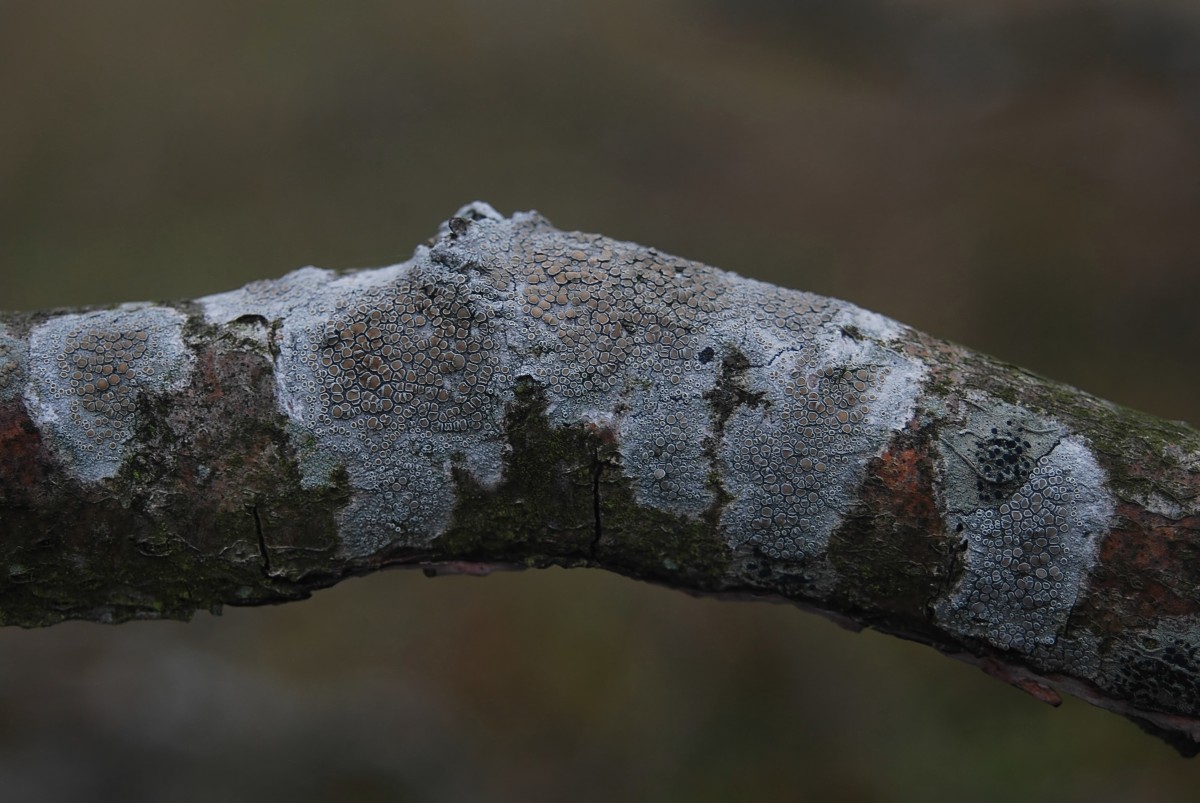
(1003, 459)
(1025, 541)
(418, 357)
(609, 305)
(796, 466)
(802, 464)
(665, 447)
(100, 368)
(794, 311)
(89, 372)
(1161, 668)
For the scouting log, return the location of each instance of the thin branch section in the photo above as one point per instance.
(515, 395)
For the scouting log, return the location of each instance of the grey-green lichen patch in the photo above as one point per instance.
(620, 336)
(1028, 554)
(1158, 668)
(391, 374)
(394, 373)
(89, 372)
(12, 365)
(270, 300)
(832, 402)
(628, 337)
(991, 455)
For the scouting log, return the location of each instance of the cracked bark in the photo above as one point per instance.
(597, 472)
(591, 403)
(262, 542)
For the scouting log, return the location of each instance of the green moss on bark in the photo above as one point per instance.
(657, 545)
(542, 511)
(564, 500)
(893, 553)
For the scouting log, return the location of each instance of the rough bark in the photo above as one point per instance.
(518, 396)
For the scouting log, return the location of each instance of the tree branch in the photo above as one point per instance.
(518, 396)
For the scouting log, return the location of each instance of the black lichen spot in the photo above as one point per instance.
(706, 355)
(1004, 462)
(458, 226)
(1163, 679)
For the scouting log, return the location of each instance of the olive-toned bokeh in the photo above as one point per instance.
(1021, 177)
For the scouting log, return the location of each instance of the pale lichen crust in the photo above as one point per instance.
(12, 365)
(638, 341)
(832, 397)
(1031, 505)
(88, 374)
(390, 375)
(269, 300)
(395, 375)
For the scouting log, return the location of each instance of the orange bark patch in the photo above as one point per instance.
(22, 457)
(893, 553)
(1152, 563)
(904, 485)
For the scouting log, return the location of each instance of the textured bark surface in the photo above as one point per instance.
(519, 396)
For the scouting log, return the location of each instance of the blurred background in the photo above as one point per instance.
(1021, 177)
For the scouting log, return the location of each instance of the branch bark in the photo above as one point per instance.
(517, 396)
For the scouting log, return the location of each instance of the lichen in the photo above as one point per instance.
(205, 508)
(401, 377)
(386, 375)
(990, 450)
(614, 332)
(1157, 667)
(831, 403)
(638, 341)
(268, 299)
(89, 374)
(1028, 555)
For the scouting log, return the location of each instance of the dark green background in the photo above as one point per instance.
(1022, 177)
